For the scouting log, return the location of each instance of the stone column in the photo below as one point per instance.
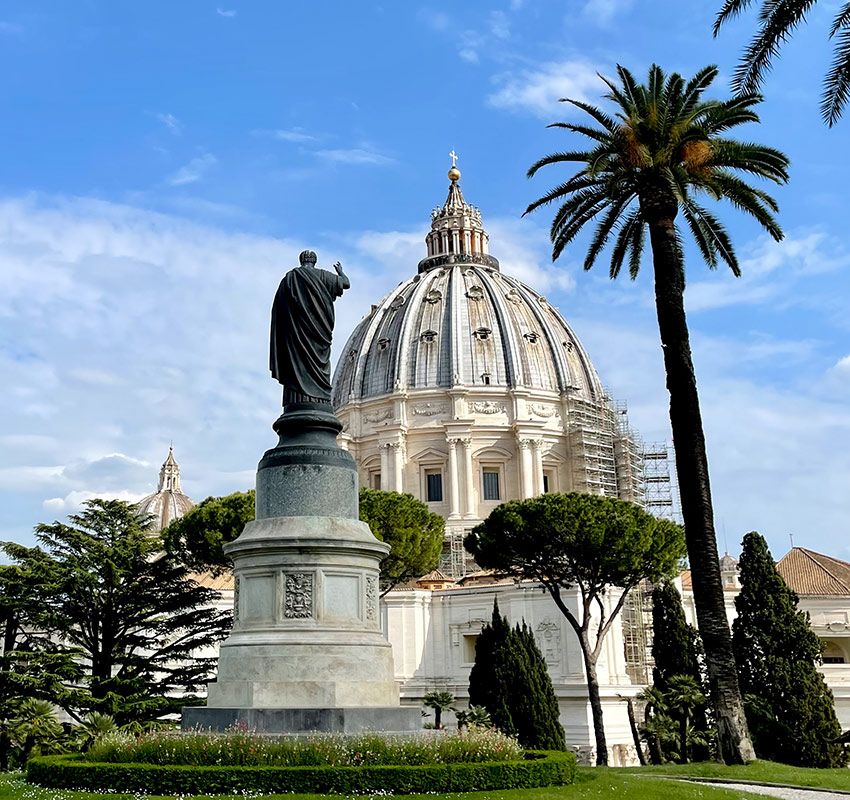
(538, 466)
(454, 479)
(398, 466)
(385, 466)
(468, 479)
(526, 469)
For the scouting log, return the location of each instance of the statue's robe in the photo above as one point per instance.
(302, 325)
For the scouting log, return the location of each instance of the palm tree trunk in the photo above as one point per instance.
(692, 471)
(630, 710)
(595, 707)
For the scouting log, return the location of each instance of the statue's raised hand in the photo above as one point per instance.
(338, 268)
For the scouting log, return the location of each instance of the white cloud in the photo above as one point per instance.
(843, 365)
(436, 20)
(193, 171)
(603, 11)
(769, 270)
(73, 501)
(297, 135)
(171, 122)
(226, 12)
(538, 91)
(354, 156)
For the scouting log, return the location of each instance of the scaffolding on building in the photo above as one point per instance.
(628, 455)
(455, 562)
(591, 430)
(637, 633)
(662, 496)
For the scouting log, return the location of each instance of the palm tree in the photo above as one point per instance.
(654, 158)
(777, 21)
(683, 695)
(440, 701)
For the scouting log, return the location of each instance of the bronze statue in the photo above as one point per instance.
(301, 330)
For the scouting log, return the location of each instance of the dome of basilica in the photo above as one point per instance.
(465, 387)
(460, 321)
(168, 502)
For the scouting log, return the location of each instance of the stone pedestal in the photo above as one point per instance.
(306, 650)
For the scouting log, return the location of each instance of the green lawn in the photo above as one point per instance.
(591, 784)
(762, 771)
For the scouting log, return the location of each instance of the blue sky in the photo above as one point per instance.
(163, 164)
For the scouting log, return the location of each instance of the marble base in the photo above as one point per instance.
(391, 719)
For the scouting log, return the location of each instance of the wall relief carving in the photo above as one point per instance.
(488, 407)
(298, 595)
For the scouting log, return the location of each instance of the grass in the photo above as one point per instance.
(762, 771)
(591, 784)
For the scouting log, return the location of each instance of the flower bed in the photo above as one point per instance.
(534, 769)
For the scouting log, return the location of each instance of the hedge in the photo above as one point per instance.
(539, 768)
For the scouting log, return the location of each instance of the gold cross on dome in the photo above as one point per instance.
(453, 157)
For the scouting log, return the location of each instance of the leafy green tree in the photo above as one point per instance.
(129, 611)
(509, 679)
(440, 701)
(582, 541)
(676, 650)
(31, 665)
(414, 533)
(789, 706)
(197, 538)
(777, 22)
(662, 150)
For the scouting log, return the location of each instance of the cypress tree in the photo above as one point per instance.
(676, 649)
(789, 707)
(490, 680)
(543, 729)
(510, 680)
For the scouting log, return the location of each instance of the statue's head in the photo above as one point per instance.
(307, 257)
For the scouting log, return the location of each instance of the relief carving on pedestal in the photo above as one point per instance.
(371, 598)
(298, 595)
(236, 598)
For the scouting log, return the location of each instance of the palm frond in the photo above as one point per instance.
(606, 121)
(578, 182)
(836, 84)
(695, 87)
(745, 199)
(842, 20)
(603, 230)
(780, 20)
(621, 243)
(719, 236)
(636, 239)
(558, 158)
(766, 162)
(731, 8)
(585, 130)
(575, 206)
(703, 239)
(571, 228)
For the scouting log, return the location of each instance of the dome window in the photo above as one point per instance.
(513, 297)
(434, 296)
(482, 334)
(531, 337)
(352, 354)
(485, 378)
(569, 346)
(475, 293)
(428, 337)
(397, 302)
(383, 344)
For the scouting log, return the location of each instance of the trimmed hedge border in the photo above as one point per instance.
(539, 768)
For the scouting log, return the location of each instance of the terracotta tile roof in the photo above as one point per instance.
(811, 573)
(221, 583)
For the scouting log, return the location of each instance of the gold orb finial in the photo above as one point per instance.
(454, 172)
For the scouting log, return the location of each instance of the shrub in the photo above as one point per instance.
(536, 769)
(248, 749)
